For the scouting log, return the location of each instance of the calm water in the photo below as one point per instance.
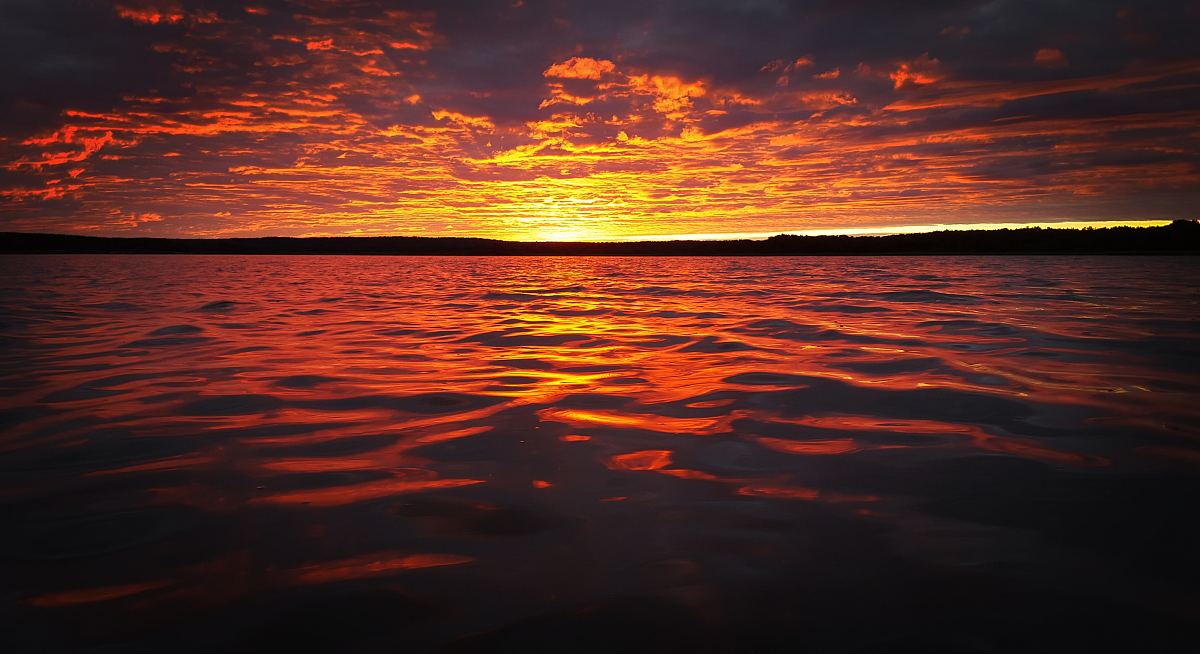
(775, 454)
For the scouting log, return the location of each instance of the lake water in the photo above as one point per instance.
(612, 454)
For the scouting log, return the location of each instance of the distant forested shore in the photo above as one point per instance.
(1181, 236)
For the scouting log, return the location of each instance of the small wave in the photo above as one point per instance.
(304, 381)
(167, 341)
(966, 326)
(931, 297)
(174, 330)
(712, 344)
(513, 338)
(232, 405)
(220, 306)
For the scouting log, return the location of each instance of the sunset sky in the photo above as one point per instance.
(585, 120)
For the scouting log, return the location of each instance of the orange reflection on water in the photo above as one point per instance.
(382, 459)
(873, 423)
(1028, 448)
(976, 434)
(685, 473)
(369, 565)
(650, 422)
(341, 495)
(172, 463)
(92, 595)
(657, 461)
(319, 465)
(452, 434)
(642, 460)
(835, 446)
(802, 493)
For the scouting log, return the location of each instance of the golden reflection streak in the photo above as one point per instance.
(666, 424)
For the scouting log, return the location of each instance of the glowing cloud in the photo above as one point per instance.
(581, 68)
(325, 118)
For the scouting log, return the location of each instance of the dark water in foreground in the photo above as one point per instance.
(410, 454)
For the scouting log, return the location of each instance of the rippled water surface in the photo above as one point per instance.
(620, 454)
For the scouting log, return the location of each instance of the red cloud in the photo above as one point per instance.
(784, 66)
(150, 16)
(133, 218)
(1050, 57)
(79, 148)
(163, 12)
(408, 45)
(991, 93)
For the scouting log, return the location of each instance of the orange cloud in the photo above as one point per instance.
(672, 95)
(480, 122)
(918, 72)
(581, 68)
(826, 99)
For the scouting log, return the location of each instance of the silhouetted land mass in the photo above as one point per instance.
(1181, 236)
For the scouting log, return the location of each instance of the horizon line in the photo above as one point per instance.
(706, 236)
(877, 231)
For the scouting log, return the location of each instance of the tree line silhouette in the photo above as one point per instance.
(1181, 236)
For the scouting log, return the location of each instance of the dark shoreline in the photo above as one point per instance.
(1179, 237)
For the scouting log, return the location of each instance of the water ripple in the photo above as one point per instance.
(195, 440)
